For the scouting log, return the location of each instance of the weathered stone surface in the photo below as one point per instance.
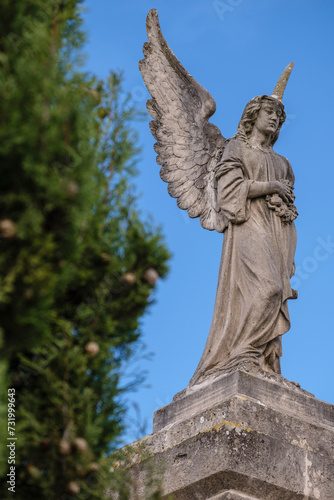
(278, 446)
(279, 392)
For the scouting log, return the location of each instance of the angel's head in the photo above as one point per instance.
(251, 113)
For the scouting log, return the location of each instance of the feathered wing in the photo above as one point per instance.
(188, 145)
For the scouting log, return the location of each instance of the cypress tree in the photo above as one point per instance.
(47, 146)
(77, 262)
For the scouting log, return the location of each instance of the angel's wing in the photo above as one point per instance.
(188, 145)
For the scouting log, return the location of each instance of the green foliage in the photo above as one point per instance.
(47, 150)
(3, 410)
(77, 262)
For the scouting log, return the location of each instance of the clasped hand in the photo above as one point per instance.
(285, 190)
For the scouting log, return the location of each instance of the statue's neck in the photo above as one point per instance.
(259, 139)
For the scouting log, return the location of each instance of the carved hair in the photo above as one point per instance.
(250, 114)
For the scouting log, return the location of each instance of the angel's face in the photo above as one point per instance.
(268, 118)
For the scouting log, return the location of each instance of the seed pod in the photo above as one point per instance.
(151, 276)
(72, 188)
(34, 472)
(93, 467)
(7, 228)
(92, 349)
(73, 487)
(80, 444)
(130, 278)
(64, 447)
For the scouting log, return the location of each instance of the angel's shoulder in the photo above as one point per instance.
(234, 147)
(281, 157)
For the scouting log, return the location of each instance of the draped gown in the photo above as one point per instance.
(251, 312)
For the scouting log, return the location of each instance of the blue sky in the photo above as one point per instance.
(236, 49)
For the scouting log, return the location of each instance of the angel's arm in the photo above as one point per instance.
(233, 187)
(258, 189)
(283, 189)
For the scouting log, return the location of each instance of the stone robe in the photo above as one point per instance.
(251, 312)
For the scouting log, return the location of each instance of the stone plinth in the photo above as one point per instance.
(245, 438)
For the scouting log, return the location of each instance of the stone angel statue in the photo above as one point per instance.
(239, 187)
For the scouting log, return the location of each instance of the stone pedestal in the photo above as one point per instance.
(244, 437)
